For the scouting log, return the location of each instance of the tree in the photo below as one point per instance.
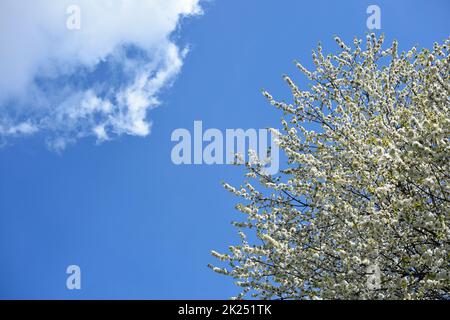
(361, 210)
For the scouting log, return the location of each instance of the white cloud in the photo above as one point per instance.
(100, 80)
(22, 128)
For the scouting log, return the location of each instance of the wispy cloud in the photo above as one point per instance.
(100, 80)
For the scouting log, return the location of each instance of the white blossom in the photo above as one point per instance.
(366, 182)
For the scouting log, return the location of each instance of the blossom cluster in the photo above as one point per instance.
(366, 182)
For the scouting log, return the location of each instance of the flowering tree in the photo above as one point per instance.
(361, 210)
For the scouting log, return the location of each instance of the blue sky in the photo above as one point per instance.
(138, 226)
